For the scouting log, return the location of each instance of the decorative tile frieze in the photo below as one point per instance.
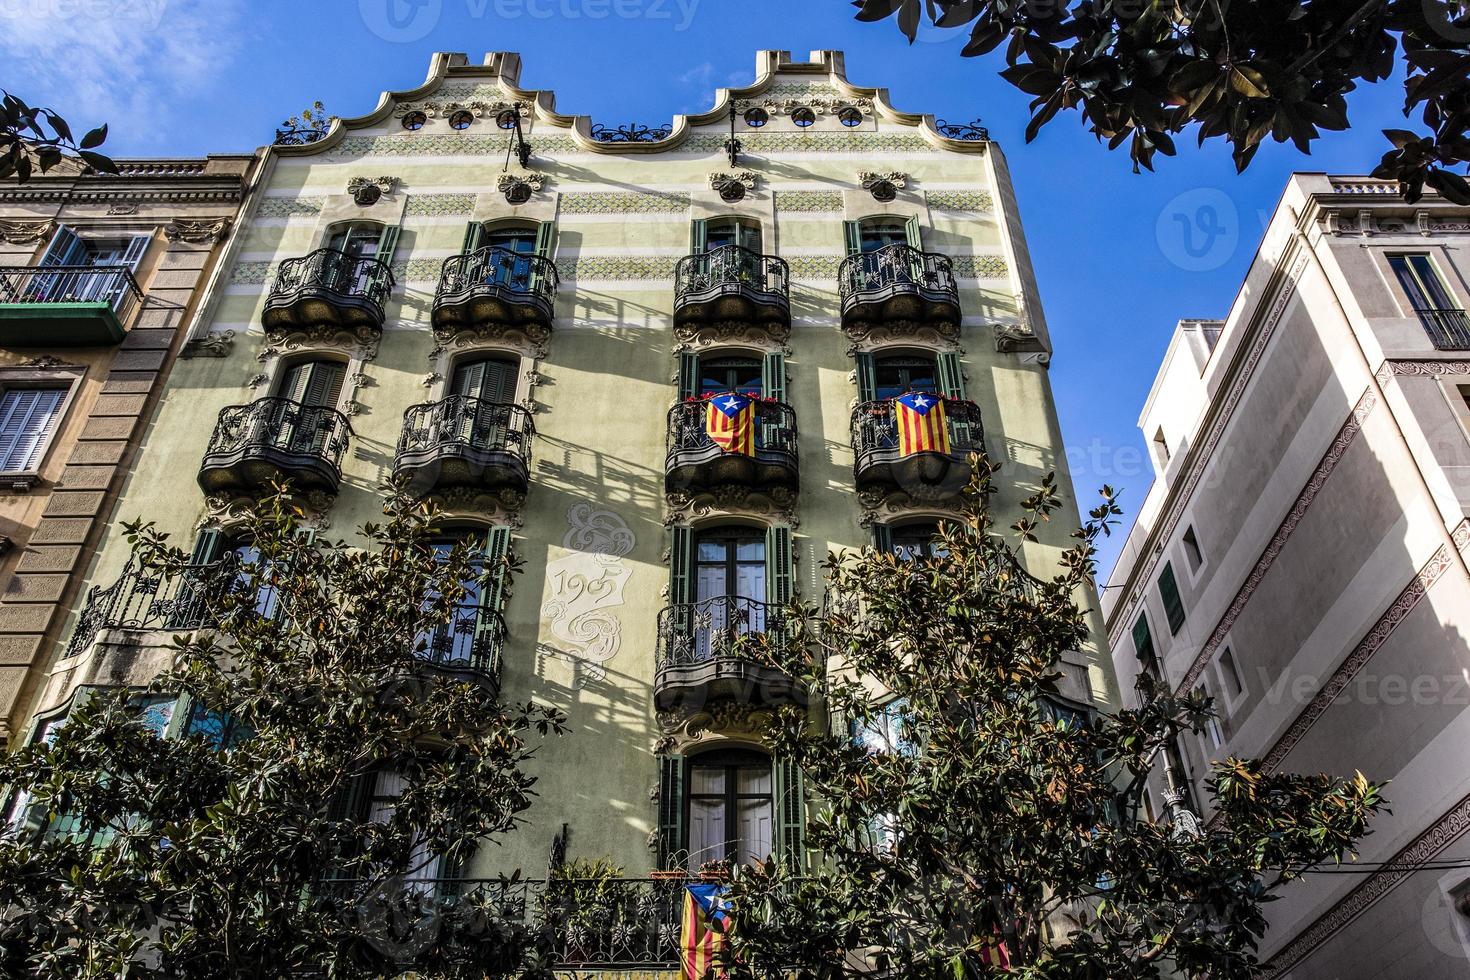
(418, 270)
(979, 266)
(251, 273)
(814, 266)
(969, 201)
(634, 267)
(621, 202)
(822, 141)
(818, 202)
(289, 207)
(439, 205)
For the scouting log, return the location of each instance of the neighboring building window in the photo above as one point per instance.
(1161, 447)
(1230, 674)
(1143, 645)
(731, 808)
(1192, 550)
(1173, 603)
(1432, 301)
(1213, 736)
(28, 416)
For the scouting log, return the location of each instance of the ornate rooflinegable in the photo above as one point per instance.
(452, 79)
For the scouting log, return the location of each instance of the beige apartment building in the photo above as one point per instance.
(526, 314)
(1302, 557)
(99, 275)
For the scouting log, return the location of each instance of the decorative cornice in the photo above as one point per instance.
(682, 729)
(1334, 454)
(531, 340)
(820, 141)
(48, 362)
(197, 232)
(501, 506)
(18, 232)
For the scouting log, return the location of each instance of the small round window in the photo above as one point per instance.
(756, 118)
(415, 120)
(803, 116)
(850, 116)
(461, 119)
(506, 119)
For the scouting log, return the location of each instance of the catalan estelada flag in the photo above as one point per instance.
(921, 423)
(705, 923)
(729, 421)
(996, 955)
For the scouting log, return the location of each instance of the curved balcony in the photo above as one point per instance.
(732, 285)
(880, 465)
(702, 654)
(148, 599)
(693, 461)
(471, 645)
(275, 441)
(464, 442)
(328, 288)
(494, 288)
(898, 284)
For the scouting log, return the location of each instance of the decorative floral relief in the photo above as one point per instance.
(616, 202)
(585, 586)
(440, 204)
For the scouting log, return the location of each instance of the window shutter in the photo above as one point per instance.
(688, 375)
(852, 236)
(867, 377)
(27, 416)
(698, 236)
(497, 547)
(1173, 602)
(65, 248)
(1143, 641)
(951, 375)
(137, 246)
(323, 383)
(546, 239)
(882, 537)
(790, 814)
(773, 376)
(208, 547)
(472, 234)
(671, 812)
(387, 245)
(681, 564)
(780, 570)
(912, 233)
(468, 379)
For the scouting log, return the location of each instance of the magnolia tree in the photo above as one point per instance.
(1143, 72)
(967, 816)
(33, 140)
(267, 840)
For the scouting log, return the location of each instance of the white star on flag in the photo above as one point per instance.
(730, 403)
(921, 402)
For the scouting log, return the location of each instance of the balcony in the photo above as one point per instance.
(692, 461)
(66, 305)
(900, 288)
(493, 289)
(464, 442)
(878, 464)
(469, 647)
(1447, 329)
(328, 288)
(703, 653)
(275, 441)
(728, 286)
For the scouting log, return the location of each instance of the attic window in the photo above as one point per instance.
(415, 120)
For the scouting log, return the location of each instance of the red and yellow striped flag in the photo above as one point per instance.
(704, 925)
(729, 421)
(921, 421)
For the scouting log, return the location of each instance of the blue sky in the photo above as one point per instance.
(1120, 257)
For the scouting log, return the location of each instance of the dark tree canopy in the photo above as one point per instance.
(34, 139)
(1142, 72)
(962, 803)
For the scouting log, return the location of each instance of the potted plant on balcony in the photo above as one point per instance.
(583, 904)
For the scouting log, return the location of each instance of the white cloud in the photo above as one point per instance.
(129, 63)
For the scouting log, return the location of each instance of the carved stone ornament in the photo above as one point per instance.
(196, 232)
(683, 730)
(497, 506)
(435, 109)
(361, 341)
(732, 186)
(367, 191)
(518, 188)
(531, 340)
(210, 345)
(775, 504)
(1016, 338)
(47, 362)
(722, 332)
(885, 505)
(586, 587)
(19, 232)
(116, 210)
(821, 105)
(883, 187)
(871, 336)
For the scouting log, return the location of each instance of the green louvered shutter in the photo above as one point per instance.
(780, 570)
(671, 812)
(681, 564)
(852, 236)
(790, 814)
(688, 375)
(698, 236)
(473, 232)
(350, 804)
(951, 375)
(497, 547)
(912, 233)
(867, 377)
(387, 246)
(546, 239)
(208, 547)
(773, 376)
(882, 537)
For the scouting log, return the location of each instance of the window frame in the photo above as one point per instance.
(68, 379)
(731, 798)
(1426, 287)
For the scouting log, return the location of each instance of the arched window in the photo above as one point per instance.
(745, 375)
(917, 540)
(731, 815)
(490, 379)
(895, 374)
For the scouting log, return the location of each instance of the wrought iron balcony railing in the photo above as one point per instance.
(707, 650)
(1447, 329)
(898, 283)
(338, 285)
(472, 641)
(699, 632)
(275, 439)
(112, 286)
(732, 269)
(875, 430)
(692, 459)
(478, 432)
(148, 599)
(495, 285)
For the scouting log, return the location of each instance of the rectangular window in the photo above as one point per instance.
(1431, 300)
(27, 418)
(1143, 645)
(1212, 736)
(1230, 674)
(1161, 448)
(1173, 603)
(1192, 549)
